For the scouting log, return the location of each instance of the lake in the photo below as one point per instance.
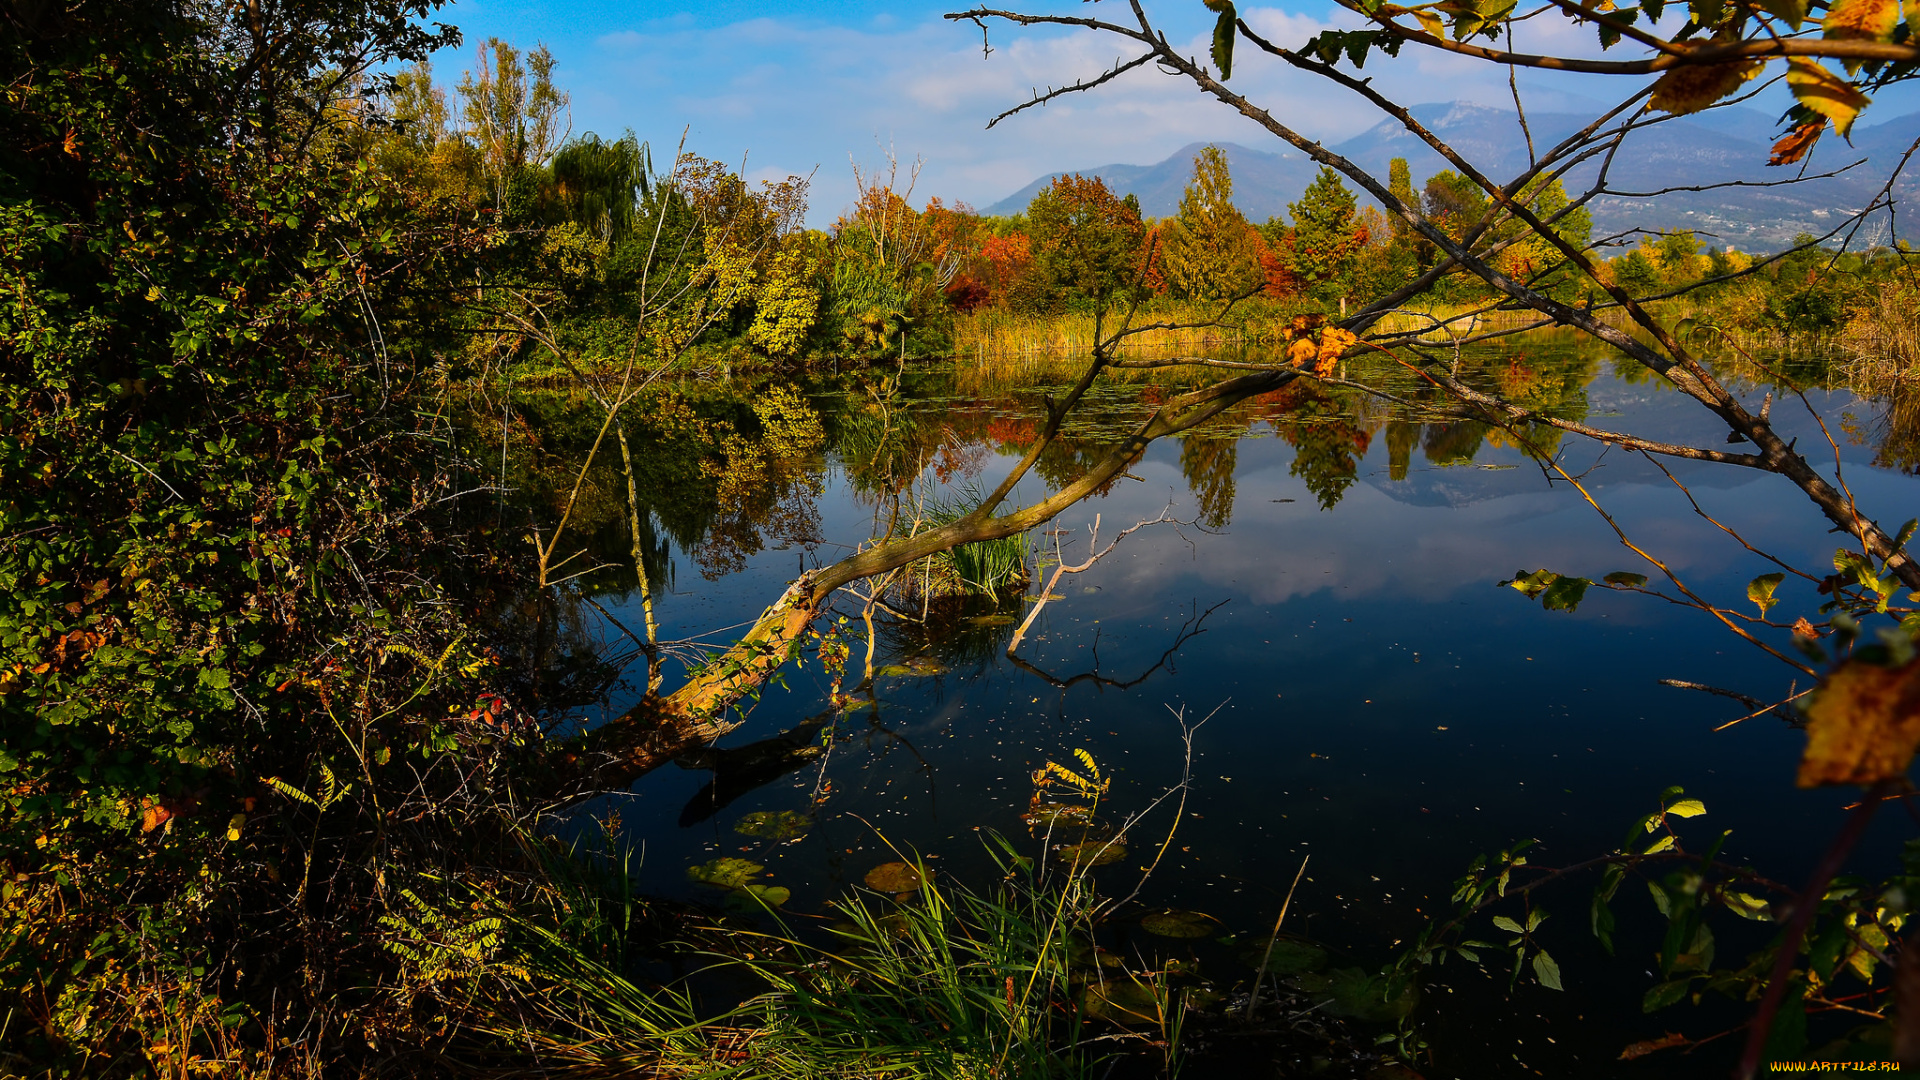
(1361, 693)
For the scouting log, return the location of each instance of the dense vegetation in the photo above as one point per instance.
(279, 712)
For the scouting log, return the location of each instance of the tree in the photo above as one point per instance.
(512, 112)
(598, 184)
(1323, 239)
(1211, 251)
(1400, 184)
(1698, 62)
(1085, 244)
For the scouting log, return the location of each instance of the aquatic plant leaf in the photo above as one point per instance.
(1863, 725)
(992, 620)
(753, 897)
(1288, 957)
(1122, 1001)
(1175, 923)
(1091, 853)
(725, 873)
(893, 877)
(774, 824)
(1356, 995)
(1044, 815)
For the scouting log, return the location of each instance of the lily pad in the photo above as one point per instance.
(1091, 853)
(992, 620)
(893, 877)
(1056, 815)
(755, 896)
(725, 873)
(914, 667)
(1356, 995)
(774, 824)
(1175, 923)
(1287, 958)
(1123, 1001)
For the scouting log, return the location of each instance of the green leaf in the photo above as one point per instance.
(1508, 925)
(1660, 899)
(1535, 918)
(1664, 995)
(1223, 42)
(1565, 594)
(1760, 590)
(1546, 971)
(1603, 924)
(1532, 585)
(1621, 577)
(1660, 845)
(1747, 906)
(1687, 808)
(1793, 12)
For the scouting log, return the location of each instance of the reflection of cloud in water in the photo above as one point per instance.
(1372, 545)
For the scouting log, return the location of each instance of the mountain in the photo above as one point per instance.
(1725, 146)
(1263, 181)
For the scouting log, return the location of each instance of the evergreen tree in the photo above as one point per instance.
(1211, 252)
(1323, 238)
(1400, 185)
(1085, 245)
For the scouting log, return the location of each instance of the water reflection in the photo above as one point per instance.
(1382, 705)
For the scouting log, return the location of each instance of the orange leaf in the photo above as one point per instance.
(1861, 20)
(1796, 143)
(1647, 1046)
(1692, 87)
(1863, 725)
(1302, 351)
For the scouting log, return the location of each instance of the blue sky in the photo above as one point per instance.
(808, 87)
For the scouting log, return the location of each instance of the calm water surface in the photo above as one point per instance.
(1370, 697)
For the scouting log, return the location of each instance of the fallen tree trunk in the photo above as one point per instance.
(664, 726)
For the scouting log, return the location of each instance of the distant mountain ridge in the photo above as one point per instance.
(1726, 145)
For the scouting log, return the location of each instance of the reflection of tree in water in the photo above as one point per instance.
(1453, 443)
(1894, 432)
(1208, 464)
(1402, 437)
(1327, 439)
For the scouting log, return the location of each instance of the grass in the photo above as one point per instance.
(942, 983)
(1880, 343)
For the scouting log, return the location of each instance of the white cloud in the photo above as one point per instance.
(796, 92)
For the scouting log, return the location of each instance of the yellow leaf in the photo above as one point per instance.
(1302, 351)
(1863, 725)
(1334, 342)
(1431, 23)
(1861, 20)
(1692, 87)
(1825, 93)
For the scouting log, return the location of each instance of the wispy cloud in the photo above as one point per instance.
(814, 85)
